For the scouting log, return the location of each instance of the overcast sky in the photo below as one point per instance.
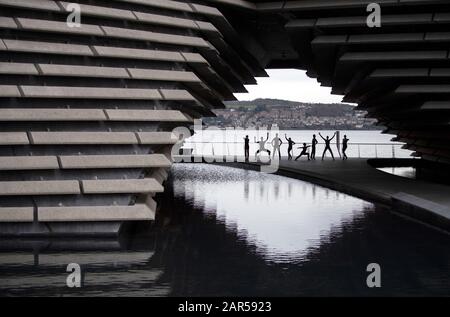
(289, 84)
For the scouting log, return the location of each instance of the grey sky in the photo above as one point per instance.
(289, 84)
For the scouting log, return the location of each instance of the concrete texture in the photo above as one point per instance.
(147, 115)
(83, 71)
(89, 93)
(47, 47)
(114, 161)
(121, 186)
(94, 214)
(18, 68)
(40, 4)
(17, 163)
(156, 138)
(13, 138)
(28, 188)
(23, 114)
(67, 138)
(87, 112)
(16, 214)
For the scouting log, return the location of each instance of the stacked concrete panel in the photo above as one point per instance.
(398, 72)
(86, 113)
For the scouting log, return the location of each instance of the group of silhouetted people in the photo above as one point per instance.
(277, 142)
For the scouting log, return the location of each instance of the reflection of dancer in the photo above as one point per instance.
(313, 147)
(304, 151)
(247, 148)
(262, 146)
(276, 143)
(290, 146)
(344, 147)
(327, 145)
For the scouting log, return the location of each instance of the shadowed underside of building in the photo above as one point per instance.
(86, 113)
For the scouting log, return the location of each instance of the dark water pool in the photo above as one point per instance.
(229, 232)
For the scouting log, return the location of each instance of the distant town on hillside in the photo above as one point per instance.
(289, 115)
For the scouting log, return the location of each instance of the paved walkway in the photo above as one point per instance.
(358, 174)
(424, 201)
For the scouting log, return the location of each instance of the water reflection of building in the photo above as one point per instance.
(38, 267)
(202, 256)
(192, 252)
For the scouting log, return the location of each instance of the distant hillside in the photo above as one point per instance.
(311, 109)
(276, 102)
(261, 102)
(290, 115)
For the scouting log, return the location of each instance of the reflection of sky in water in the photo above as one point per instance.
(282, 217)
(409, 172)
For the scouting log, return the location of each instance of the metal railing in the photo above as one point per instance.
(356, 150)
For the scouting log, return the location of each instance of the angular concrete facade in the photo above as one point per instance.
(86, 112)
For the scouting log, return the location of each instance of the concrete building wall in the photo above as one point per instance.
(86, 112)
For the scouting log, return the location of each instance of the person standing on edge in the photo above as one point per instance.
(290, 146)
(276, 144)
(247, 148)
(313, 147)
(344, 147)
(327, 145)
(262, 146)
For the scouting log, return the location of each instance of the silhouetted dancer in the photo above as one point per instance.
(327, 145)
(290, 146)
(344, 147)
(247, 148)
(304, 151)
(313, 147)
(276, 144)
(262, 146)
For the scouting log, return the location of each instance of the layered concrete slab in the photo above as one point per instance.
(143, 186)
(89, 93)
(30, 188)
(25, 114)
(164, 75)
(133, 53)
(58, 27)
(16, 214)
(82, 71)
(43, 5)
(12, 163)
(47, 47)
(68, 138)
(13, 138)
(18, 68)
(147, 115)
(114, 161)
(98, 11)
(154, 37)
(9, 91)
(131, 68)
(94, 214)
(156, 138)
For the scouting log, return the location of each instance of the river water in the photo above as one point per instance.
(230, 232)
